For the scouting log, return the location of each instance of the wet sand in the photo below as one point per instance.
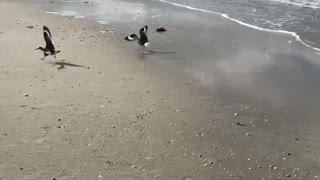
(113, 111)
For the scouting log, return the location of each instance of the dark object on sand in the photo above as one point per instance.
(143, 40)
(49, 49)
(161, 30)
(30, 27)
(240, 124)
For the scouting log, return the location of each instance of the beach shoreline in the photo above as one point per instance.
(124, 113)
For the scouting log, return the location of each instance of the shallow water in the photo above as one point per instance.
(299, 17)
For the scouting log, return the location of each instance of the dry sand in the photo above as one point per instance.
(118, 116)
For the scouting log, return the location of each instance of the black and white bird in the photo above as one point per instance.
(49, 49)
(143, 40)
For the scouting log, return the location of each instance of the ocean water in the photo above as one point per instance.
(300, 18)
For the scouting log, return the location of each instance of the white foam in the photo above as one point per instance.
(242, 23)
(67, 1)
(79, 17)
(270, 30)
(53, 13)
(102, 22)
(301, 3)
(67, 14)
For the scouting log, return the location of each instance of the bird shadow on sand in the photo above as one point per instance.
(62, 64)
(152, 52)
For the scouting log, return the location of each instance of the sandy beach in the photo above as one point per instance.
(108, 110)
